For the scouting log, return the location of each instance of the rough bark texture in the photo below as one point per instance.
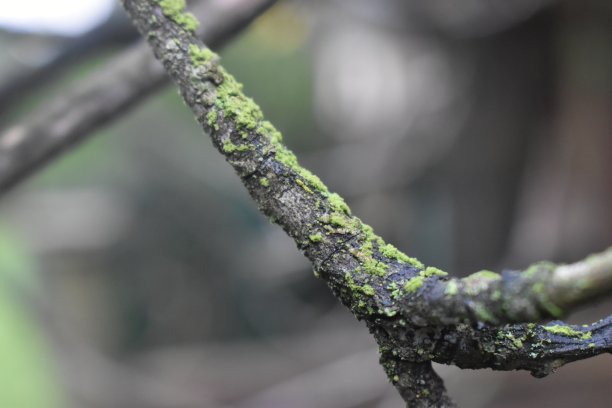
(106, 95)
(416, 314)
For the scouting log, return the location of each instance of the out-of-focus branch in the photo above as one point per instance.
(107, 94)
(22, 81)
(544, 290)
(370, 277)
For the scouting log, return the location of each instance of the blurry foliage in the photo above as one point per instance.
(26, 375)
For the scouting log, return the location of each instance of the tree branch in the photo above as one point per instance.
(372, 278)
(536, 348)
(107, 94)
(544, 290)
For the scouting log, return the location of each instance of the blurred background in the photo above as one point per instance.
(136, 272)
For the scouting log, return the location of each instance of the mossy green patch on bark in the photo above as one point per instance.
(200, 55)
(539, 267)
(567, 332)
(175, 10)
(229, 147)
(539, 290)
(315, 237)
(414, 284)
(235, 105)
(452, 288)
(374, 267)
(338, 204)
(264, 182)
(211, 119)
(357, 289)
(433, 271)
(304, 186)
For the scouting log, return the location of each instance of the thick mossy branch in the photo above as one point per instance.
(416, 314)
(544, 290)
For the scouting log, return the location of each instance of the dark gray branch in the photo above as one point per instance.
(540, 349)
(107, 94)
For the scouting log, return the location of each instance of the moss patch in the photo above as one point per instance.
(414, 284)
(175, 11)
(229, 147)
(315, 238)
(568, 332)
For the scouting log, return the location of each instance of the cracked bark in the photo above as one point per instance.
(416, 313)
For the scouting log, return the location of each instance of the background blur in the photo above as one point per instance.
(136, 271)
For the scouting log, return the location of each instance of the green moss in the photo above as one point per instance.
(368, 290)
(235, 104)
(175, 10)
(496, 295)
(432, 271)
(199, 55)
(264, 182)
(211, 119)
(304, 186)
(482, 313)
(373, 267)
(516, 343)
(534, 269)
(359, 289)
(313, 180)
(414, 284)
(567, 332)
(417, 282)
(268, 130)
(338, 220)
(478, 282)
(316, 237)
(338, 203)
(387, 311)
(539, 289)
(396, 292)
(229, 147)
(392, 252)
(451, 288)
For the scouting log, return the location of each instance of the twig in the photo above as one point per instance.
(543, 290)
(109, 93)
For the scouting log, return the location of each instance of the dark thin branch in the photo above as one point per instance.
(109, 93)
(370, 277)
(23, 81)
